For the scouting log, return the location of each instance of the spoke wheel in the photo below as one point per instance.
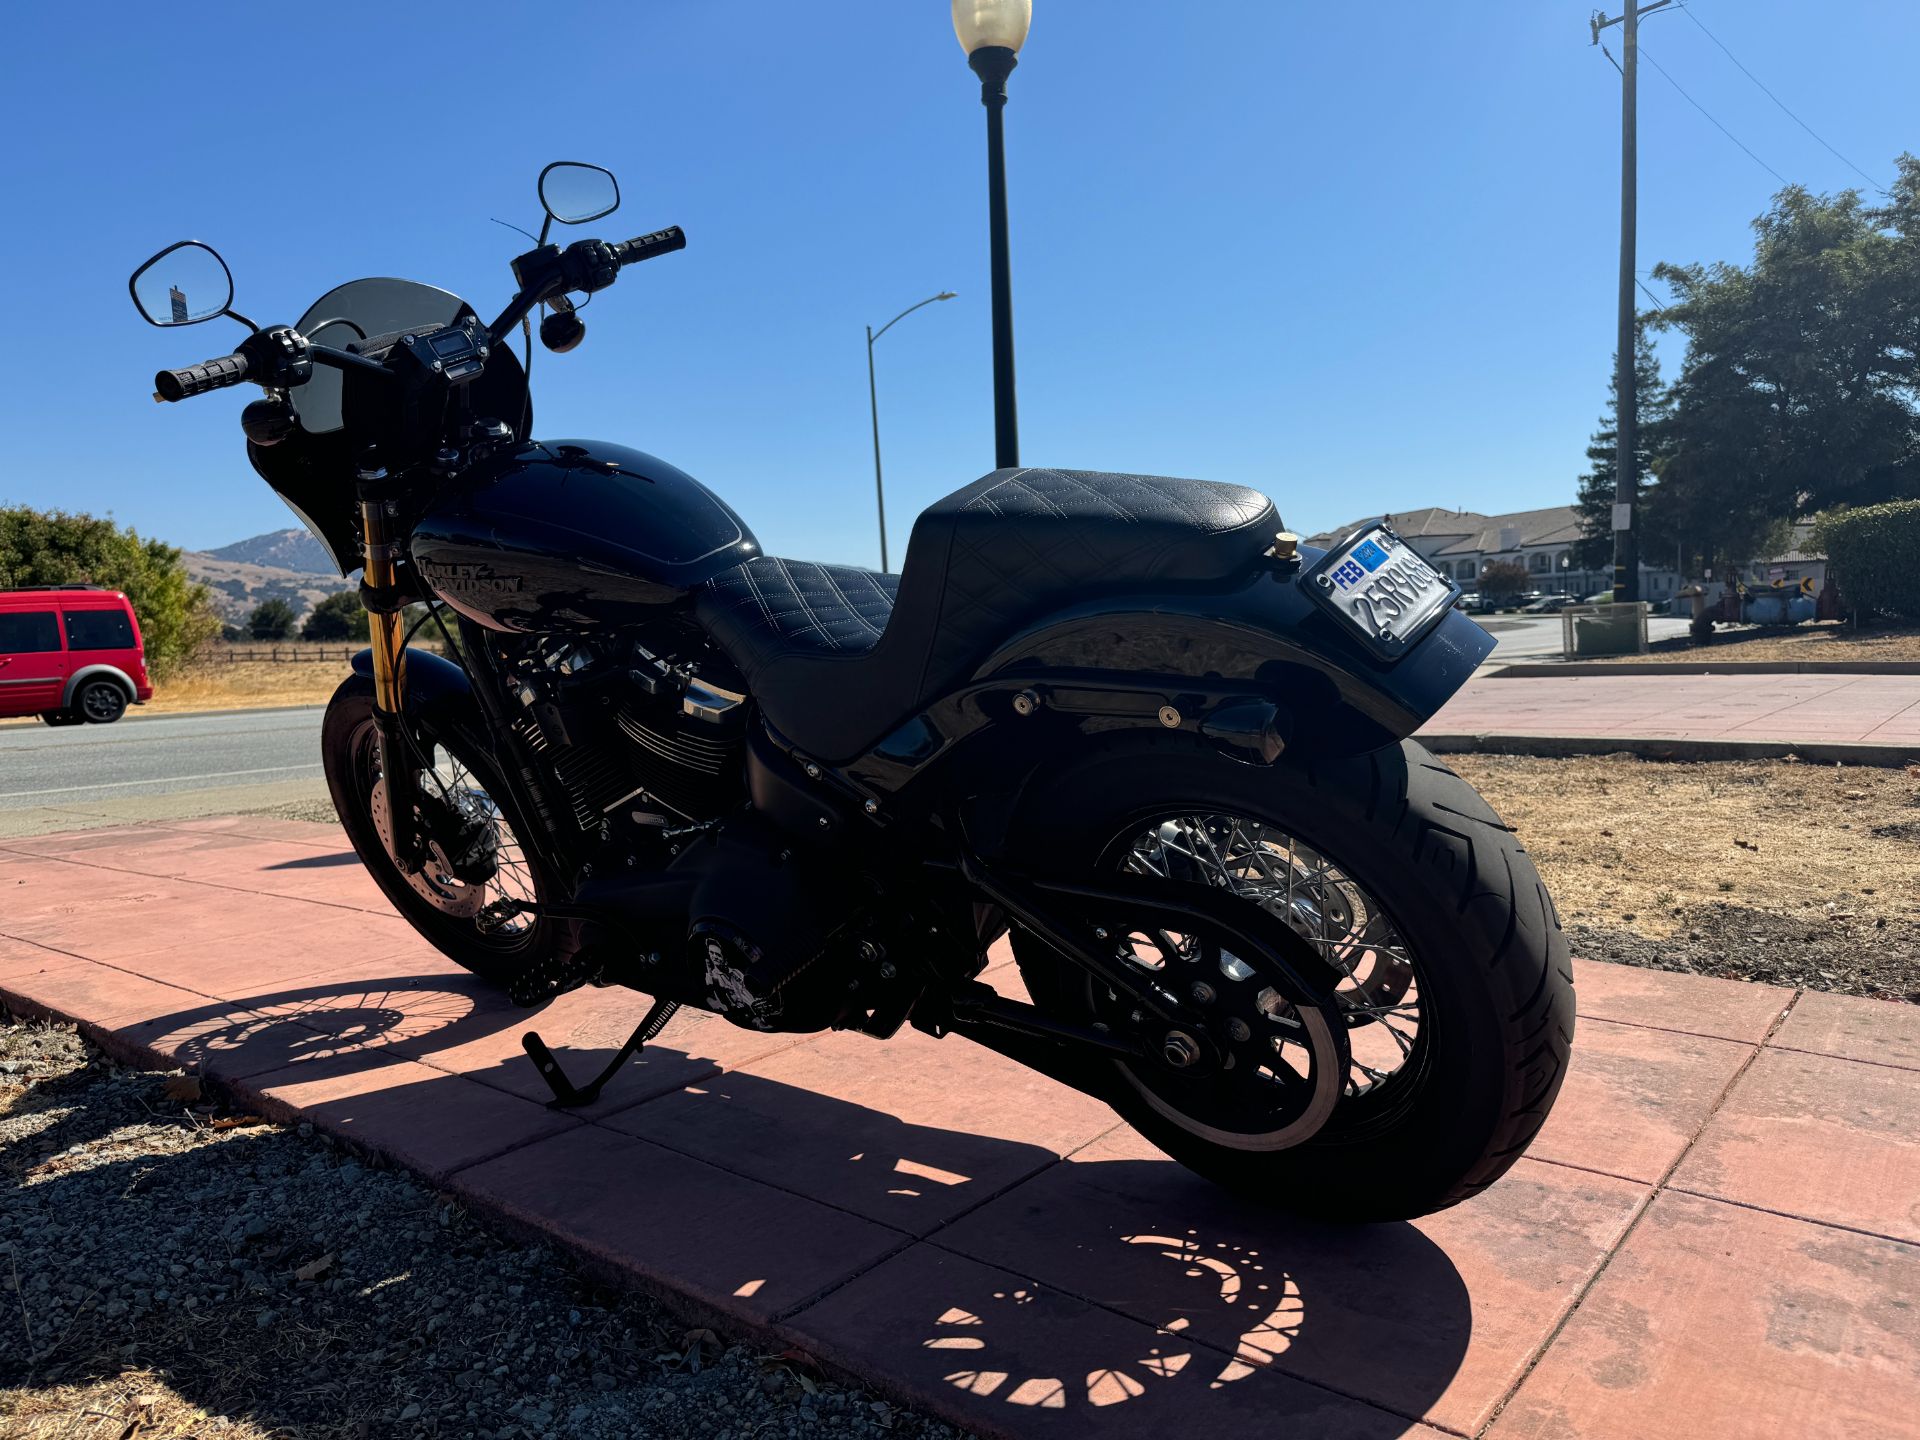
(1379, 991)
(468, 899)
(447, 786)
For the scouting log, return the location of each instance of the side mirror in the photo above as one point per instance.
(573, 193)
(184, 284)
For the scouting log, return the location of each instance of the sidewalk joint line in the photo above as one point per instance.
(195, 880)
(1851, 1059)
(1842, 1226)
(1627, 1231)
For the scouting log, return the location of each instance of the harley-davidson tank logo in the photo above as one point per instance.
(470, 580)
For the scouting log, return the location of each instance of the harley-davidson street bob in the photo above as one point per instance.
(1128, 721)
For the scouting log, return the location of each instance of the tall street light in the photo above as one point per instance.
(992, 32)
(873, 396)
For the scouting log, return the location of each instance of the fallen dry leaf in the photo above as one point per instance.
(314, 1269)
(181, 1087)
(239, 1122)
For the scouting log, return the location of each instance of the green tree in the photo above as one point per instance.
(271, 620)
(54, 547)
(338, 617)
(1504, 577)
(1801, 386)
(1594, 549)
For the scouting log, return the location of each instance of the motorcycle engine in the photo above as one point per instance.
(775, 941)
(633, 740)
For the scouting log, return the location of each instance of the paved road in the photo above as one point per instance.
(1540, 637)
(87, 764)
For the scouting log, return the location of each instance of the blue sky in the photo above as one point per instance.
(1359, 257)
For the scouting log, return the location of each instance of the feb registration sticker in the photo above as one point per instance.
(1379, 588)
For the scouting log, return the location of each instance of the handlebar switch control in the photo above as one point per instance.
(277, 357)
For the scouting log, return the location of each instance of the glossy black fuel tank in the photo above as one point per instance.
(573, 535)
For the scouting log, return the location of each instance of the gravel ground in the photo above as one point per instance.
(169, 1268)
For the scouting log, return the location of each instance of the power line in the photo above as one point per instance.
(1646, 56)
(1778, 101)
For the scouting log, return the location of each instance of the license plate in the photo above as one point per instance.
(1382, 589)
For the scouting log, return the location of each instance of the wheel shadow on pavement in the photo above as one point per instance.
(1042, 1296)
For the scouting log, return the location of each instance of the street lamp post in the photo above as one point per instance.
(873, 396)
(992, 32)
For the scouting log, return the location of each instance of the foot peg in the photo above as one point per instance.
(566, 1096)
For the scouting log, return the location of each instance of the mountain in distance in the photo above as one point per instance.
(281, 549)
(284, 565)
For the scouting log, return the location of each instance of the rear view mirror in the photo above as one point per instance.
(184, 284)
(573, 193)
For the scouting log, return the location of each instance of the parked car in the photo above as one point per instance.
(1548, 604)
(70, 655)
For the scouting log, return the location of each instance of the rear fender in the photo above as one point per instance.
(1204, 664)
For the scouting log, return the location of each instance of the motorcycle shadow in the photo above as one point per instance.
(1042, 1290)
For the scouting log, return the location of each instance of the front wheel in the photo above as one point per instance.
(1453, 987)
(471, 912)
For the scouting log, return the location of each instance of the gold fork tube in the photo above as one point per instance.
(389, 658)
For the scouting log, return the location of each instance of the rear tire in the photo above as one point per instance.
(1494, 983)
(100, 702)
(444, 911)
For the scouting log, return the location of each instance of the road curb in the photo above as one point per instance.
(1649, 747)
(1562, 669)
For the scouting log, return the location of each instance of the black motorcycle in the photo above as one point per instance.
(1128, 720)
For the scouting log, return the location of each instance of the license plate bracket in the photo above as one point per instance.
(1380, 590)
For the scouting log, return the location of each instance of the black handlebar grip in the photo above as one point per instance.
(198, 379)
(645, 247)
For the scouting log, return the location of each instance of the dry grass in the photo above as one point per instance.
(133, 1403)
(246, 685)
(1803, 873)
(1827, 641)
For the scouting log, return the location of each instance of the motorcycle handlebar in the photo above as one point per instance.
(645, 247)
(215, 374)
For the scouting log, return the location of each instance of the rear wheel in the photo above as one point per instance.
(474, 921)
(1453, 989)
(100, 702)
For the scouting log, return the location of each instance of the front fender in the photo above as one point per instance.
(436, 688)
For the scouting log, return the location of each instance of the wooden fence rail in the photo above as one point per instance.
(289, 653)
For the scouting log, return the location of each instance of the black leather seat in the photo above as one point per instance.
(838, 656)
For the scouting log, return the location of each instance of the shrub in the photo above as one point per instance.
(271, 620)
(1871, 553)
(1504, 577)
(338, 617)
(52, 547)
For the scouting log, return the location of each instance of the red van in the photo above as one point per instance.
(69, 655)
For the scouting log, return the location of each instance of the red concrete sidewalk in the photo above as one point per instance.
(1718, 1233)
(1868, 710)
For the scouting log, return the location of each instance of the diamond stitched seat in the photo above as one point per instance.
(837, 656)
(767, 608)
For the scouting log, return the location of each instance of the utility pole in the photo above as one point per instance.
(1626, 398)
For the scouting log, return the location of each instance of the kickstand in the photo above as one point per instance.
(565, 1095)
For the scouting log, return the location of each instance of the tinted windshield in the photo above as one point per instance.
(349, 314)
